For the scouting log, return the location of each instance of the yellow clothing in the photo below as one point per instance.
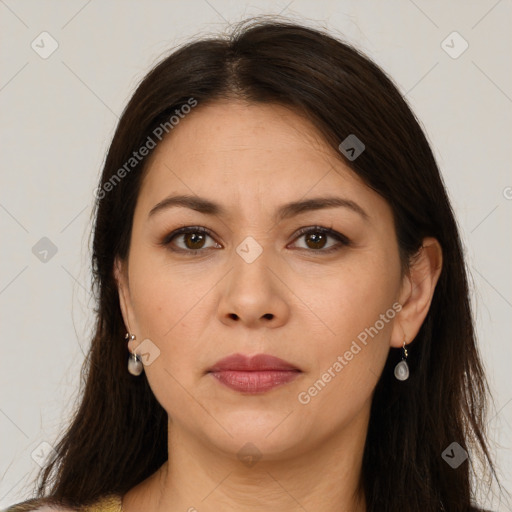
(111, 503)
(108, 504)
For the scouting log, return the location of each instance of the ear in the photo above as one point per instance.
(123, 288)
(417, 290)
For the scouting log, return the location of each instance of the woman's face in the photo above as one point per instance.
(255, 285)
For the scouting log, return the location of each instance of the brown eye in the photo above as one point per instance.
(192, 239)
(316, 239)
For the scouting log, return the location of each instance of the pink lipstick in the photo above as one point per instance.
(255, 374)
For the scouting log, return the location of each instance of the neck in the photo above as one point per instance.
(198, 477)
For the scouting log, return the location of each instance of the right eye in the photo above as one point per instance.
(193, 238)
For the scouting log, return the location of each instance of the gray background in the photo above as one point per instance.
(58, 116)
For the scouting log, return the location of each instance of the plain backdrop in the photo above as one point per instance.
(59, 111)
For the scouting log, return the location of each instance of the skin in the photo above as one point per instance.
(293, 301)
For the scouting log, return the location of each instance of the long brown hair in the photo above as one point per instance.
(118, 436)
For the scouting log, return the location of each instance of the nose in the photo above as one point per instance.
(254, 294)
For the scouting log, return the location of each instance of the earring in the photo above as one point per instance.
(402, 368)
(135, 361)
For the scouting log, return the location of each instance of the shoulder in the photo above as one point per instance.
(110, 503)
(35, 505)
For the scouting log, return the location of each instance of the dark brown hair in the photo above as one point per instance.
(118, 436)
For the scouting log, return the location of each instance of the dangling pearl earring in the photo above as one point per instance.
(135, 361)
(402, 368)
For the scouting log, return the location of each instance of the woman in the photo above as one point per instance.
(275, 248)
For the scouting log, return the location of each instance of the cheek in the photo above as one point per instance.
(171, 307)
(352, 296)
(163, 298)
(354, 310)
(165, 304)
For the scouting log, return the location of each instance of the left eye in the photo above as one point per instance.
(195, 236)
(317, 236)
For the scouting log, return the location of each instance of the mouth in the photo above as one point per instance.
(256, 374)
(255, 382)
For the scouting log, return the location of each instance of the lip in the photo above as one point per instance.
(256, 374)
(258, 362)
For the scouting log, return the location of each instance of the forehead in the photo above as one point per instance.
(251, 156)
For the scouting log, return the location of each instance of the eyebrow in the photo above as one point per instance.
(286, 211)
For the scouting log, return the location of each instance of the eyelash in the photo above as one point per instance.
(344, 241)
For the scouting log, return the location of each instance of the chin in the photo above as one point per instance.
(269, 437)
